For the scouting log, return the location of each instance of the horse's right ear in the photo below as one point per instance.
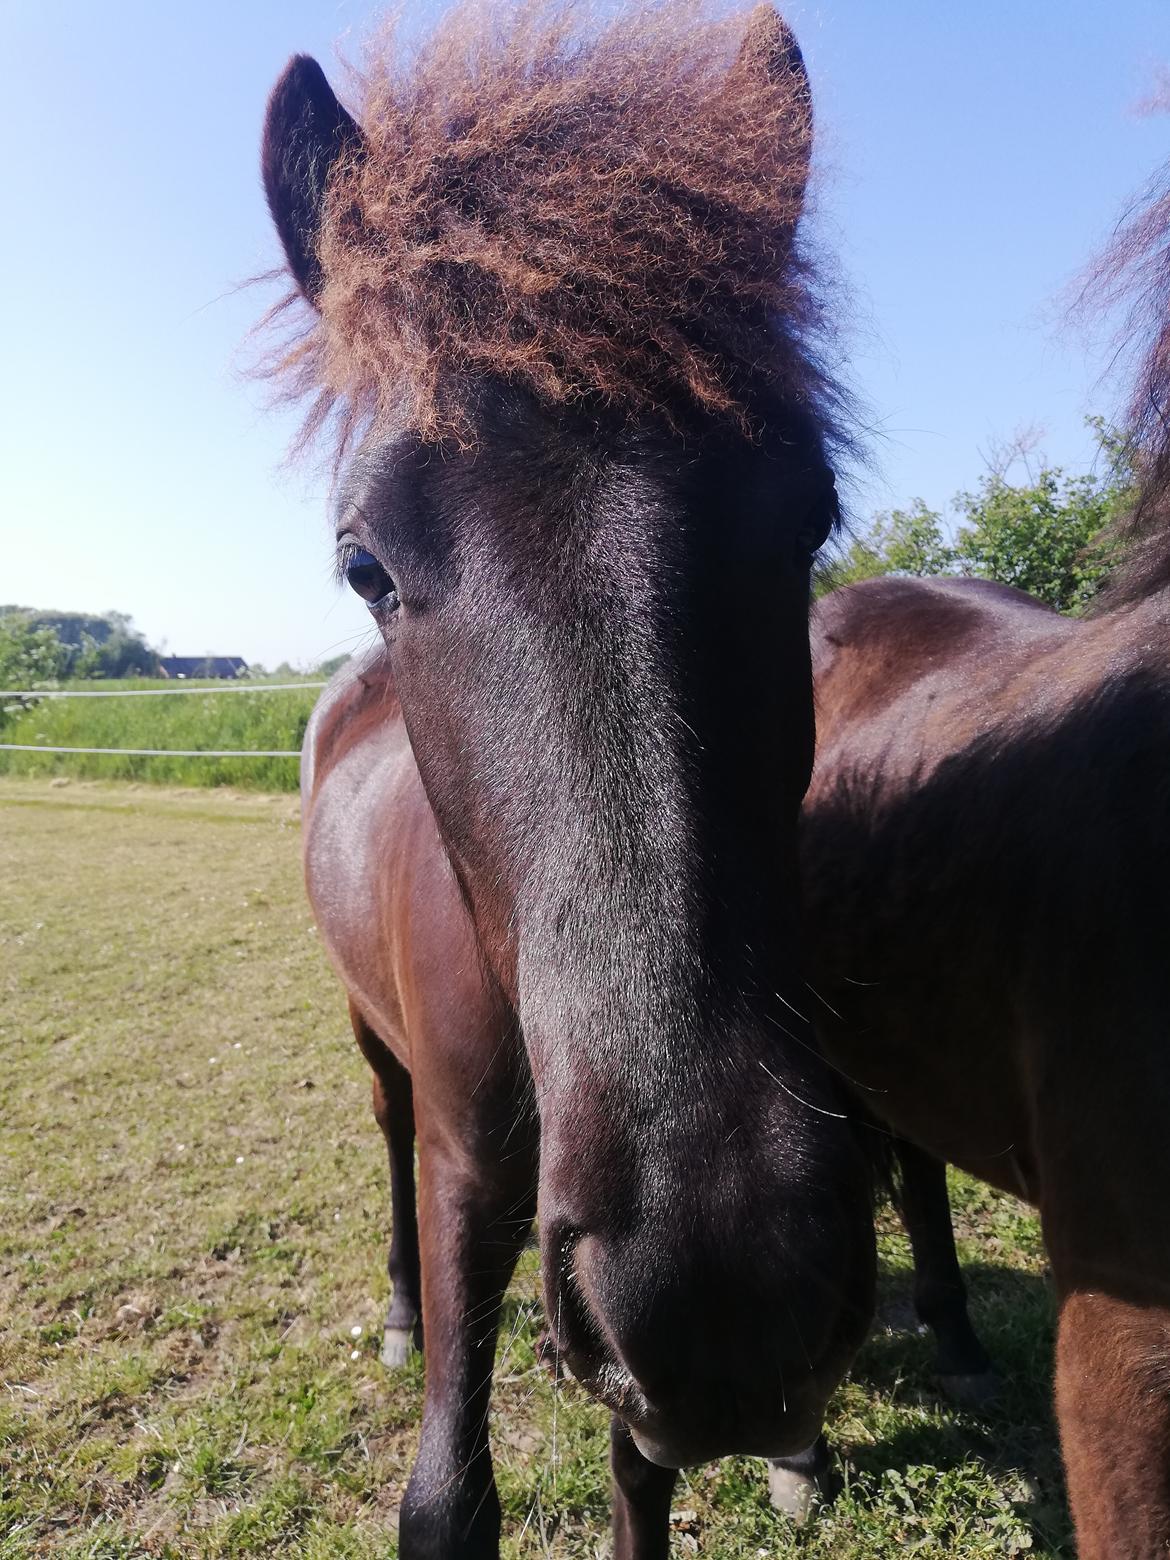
(305, 131)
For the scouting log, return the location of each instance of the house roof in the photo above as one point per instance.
(202, 665)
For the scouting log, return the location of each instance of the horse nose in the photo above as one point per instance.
(693, 1341)
(629, 1319)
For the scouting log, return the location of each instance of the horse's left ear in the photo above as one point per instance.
(769, 45)
(305, 131)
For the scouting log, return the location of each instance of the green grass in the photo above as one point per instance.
(224, 720)
(194, 1215)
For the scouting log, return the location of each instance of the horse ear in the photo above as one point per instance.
(769, 46)
(305, 131)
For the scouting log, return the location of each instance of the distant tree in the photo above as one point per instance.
(29, 656)
(333, 664)
(899, 541)
(123, 653)
(102, 644)
(1051, 535)
(75, 629)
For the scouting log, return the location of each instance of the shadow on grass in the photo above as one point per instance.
(1014, 1436)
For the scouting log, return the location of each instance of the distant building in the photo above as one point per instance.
(202, 666)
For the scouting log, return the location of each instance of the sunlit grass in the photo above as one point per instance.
(194, 1216)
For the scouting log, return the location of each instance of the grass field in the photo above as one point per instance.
(193, 1219)
(220, 718)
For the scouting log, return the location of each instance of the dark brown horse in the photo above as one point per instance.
(987, 851)
(551, 825)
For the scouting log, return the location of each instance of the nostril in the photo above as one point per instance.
(579, 1308)
(566, 1315)
(588, 1295)
(612, 1316)
(582, 1275)
(560, 1243)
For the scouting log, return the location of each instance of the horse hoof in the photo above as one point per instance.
(977, 1390)
(397, 1346)
(796, 1495)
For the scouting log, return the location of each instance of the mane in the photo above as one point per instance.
(1134, 273)
(605, 217)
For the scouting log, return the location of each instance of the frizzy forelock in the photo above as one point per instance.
(602, 213)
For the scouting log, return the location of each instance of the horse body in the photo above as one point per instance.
(987, 846)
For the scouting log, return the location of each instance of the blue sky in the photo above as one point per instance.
(971, 160)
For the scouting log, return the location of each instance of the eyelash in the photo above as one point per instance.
(341, 562)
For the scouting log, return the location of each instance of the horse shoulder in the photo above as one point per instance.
(366, 838)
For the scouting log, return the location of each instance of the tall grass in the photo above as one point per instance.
(238, 721)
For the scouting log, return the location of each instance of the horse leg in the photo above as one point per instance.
(475, 1216)
(940, 1295)
(797, 1485)
(641, 1499)
(393, 1098)
(1113, 1408)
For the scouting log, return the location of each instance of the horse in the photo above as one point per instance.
(558, 319)
(986, 851)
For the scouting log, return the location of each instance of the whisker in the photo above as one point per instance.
(780, 997)
(556, 1391)
(838, 1115)
(823, 1002)
(813, 1051)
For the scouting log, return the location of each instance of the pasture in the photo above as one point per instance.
(193, 1221)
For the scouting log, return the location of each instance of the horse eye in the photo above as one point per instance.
(821, 518)
(365, 575)
(815, 532)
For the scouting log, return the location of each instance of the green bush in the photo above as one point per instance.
(1052, 535)
(29, 655)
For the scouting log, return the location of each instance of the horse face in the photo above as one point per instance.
(601, 655)
(598, 633)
